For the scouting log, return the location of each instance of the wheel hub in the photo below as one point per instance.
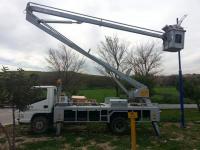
(39, 125)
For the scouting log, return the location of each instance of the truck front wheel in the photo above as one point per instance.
(119, 125)
(39, 124)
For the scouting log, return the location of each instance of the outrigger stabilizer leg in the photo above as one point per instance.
(156, 128)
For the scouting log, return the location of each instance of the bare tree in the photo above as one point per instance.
(64, 59)
(146, 60)
(145, 63)
(113, 52)
(66, 63)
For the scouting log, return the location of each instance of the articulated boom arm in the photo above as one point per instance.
(141, 89)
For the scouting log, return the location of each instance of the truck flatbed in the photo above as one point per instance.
(65, 112)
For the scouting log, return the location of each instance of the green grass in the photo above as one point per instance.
(2, 140)
(166, 90)
(96, 136)
(172, 138)
(165, 95)
(191, 115)
(52, 144)
(161, 95)
(168, 95)
(98, 94)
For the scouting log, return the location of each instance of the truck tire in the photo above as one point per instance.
(119, 125)
(39, 124)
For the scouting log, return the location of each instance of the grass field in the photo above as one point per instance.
(95, 136)
(98, 94)
(162, 95)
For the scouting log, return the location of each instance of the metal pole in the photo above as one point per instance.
(181, 96)
(133, 116)
(133, 134)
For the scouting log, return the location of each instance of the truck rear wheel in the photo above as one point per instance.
(39, 124)
(119, 125)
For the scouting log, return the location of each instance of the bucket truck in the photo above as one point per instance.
(114, 110)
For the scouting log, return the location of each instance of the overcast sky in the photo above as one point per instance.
(24, 45)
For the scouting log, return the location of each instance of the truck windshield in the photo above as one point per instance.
(39, 94)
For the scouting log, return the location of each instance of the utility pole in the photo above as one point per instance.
(181, 96)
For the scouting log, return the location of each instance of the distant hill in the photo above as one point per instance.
(87, 80)
(93, 81)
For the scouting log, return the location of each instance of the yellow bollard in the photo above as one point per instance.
(133, 116)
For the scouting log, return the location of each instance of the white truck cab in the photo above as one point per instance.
(42, 108)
